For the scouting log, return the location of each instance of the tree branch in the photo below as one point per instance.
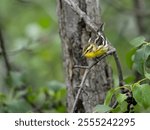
(139, 6)
(80, 88)
(4, 54)
(118, 65)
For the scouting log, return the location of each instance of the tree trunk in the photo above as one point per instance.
(74, 35)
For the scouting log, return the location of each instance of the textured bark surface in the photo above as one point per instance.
(74, 35)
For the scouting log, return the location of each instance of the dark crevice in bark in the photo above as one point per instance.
(79, 107)
(82, 5)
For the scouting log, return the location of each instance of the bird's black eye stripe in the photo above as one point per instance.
(89, 49)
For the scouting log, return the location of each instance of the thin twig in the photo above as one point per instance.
(80, 88)
(4, 54)
(118, 65)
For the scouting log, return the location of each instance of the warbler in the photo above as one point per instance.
(96, 48)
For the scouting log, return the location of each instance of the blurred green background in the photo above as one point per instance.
(30, 30)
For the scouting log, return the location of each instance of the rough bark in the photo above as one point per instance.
(74, 35)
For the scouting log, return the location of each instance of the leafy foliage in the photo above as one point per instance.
(140, 90)
(142, 60)
(102, 108)
(44, 99)
(36, 82)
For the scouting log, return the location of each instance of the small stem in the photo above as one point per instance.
(118, 65)
(142, 80)
(80, 88)
(122, 87)
(81, 67)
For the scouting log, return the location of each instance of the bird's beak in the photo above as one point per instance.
(82, 55)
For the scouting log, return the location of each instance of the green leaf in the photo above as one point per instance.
(141, 60)
(137, 41)
(138, 108)
(111, 92)
(18, 105)
(109, 95)
(15, 79)
(2, 98)
(146, 93)
(141, 93)
(55, 85)
(147, 67)
(137, 94)
(129, 57)
(123, 106)
(21, 93)
(102, 108)
(129, 79)
(121, 97)
(40, 98)
(147, 75)
(60, 95)
(116, 109)
(147, 51)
